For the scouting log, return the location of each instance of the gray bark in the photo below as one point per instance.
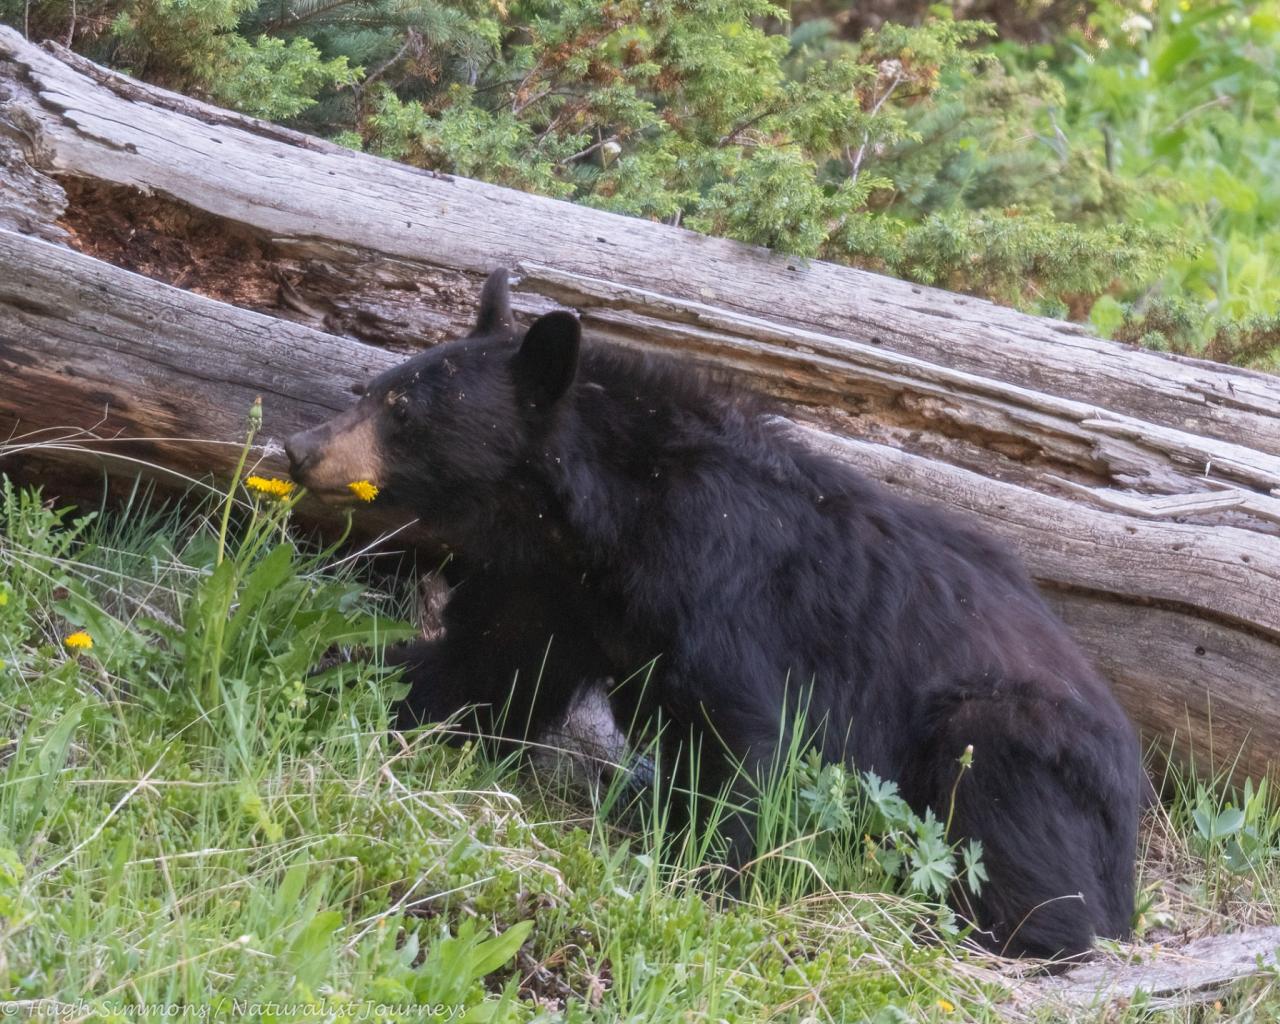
(1172, 977)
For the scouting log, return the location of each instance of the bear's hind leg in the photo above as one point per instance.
(1052, 795)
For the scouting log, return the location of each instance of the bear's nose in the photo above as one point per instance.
(300, 452)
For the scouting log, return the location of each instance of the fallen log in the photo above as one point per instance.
(1165, 977)
(1143, 490)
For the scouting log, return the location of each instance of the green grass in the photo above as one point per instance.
(191, 814)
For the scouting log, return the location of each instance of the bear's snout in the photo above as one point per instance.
(301, 449)
(328, 458)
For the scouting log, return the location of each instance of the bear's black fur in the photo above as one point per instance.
(616, 518)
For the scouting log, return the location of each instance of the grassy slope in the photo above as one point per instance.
(183, 828)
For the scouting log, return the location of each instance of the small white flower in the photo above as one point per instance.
(1135, 24)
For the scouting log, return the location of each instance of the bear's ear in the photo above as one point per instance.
(548, 358)
(494, 316)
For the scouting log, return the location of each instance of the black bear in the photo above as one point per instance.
(616, 517)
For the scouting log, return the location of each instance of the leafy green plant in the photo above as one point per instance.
(35, 538)
(828, 827)
(238, 645)
(194, 46)
(235, 655)
(911, 851)
(1241, 837)
(454, 965)
(1180, 99)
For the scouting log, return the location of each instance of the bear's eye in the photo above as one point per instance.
(399, 406)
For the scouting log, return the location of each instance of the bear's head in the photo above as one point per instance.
(439, 432)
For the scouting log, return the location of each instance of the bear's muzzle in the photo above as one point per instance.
(328, 458)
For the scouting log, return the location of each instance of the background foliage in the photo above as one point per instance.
(1115, 161)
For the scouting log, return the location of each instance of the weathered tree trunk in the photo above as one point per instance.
(1143, 490)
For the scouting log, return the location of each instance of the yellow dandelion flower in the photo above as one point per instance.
(946, 1006)
(363, 490)
(269, 486)
(79, 641)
